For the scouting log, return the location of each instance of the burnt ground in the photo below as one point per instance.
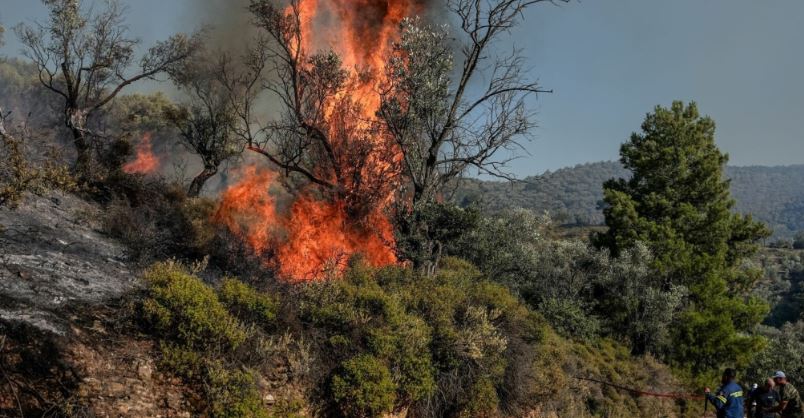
(67, 346)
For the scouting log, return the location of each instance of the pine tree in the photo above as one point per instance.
(678, 203)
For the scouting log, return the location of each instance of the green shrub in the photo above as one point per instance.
(440, 336)
(186, 363)
(363, 387)
(483, 401)
(785, 351)
(247, 303)
(181, 307)
(233, 394)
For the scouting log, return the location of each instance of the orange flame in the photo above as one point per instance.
(315, 237)
(146, 162)
(314, 240)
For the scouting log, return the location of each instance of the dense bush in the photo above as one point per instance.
(363, 387)
(200, 336)
(247, 303)
(785, 351)
(454, 343)
(182, 308)
(450, 344)
(233, 394)
(581, 291)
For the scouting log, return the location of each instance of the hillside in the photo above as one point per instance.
(774, 195)
(78, 337)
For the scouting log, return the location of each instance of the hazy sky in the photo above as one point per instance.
(610, 62)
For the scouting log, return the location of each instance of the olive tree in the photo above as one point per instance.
(446, 121)
(87, 58)
(206, 120)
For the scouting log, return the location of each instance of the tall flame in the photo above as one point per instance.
(146, 161)
(315, 237)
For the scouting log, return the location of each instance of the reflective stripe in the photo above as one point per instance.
(721, 399)
(739, 393)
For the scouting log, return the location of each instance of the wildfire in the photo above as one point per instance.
(361, 31)
(315, 237)
(313, 241)
(146, 162)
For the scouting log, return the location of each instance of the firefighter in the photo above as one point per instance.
(728, 400)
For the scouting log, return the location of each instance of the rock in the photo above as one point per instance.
(50, 258)
(145, 371)
(269, 399)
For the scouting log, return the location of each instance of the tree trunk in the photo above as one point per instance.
(76, 122)
(200, 179)
(83, 153)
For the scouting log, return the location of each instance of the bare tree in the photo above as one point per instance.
(323, 137)
(207, 119)
(86, 58)
(445, 125)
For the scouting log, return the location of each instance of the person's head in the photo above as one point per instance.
(780, 378)
(729, 375)
(769, 384)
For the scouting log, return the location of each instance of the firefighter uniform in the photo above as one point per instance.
(728, 401)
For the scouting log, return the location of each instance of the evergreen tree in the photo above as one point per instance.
(678, 203)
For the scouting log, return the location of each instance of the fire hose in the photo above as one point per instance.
(638, 392)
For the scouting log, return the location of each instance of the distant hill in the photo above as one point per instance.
(774, 195)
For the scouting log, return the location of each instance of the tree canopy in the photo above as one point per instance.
(678, 203)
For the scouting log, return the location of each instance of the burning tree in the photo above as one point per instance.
(378, 124)
(86, 58)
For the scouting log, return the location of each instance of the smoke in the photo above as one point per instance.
(228, 22)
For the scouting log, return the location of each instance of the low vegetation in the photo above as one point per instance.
(383, 340)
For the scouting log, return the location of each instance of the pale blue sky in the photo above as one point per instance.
(610, 62)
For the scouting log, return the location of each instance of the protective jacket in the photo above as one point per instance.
(728, 401)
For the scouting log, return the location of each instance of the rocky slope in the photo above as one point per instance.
(63, 288)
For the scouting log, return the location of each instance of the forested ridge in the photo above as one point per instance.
(572, 195)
